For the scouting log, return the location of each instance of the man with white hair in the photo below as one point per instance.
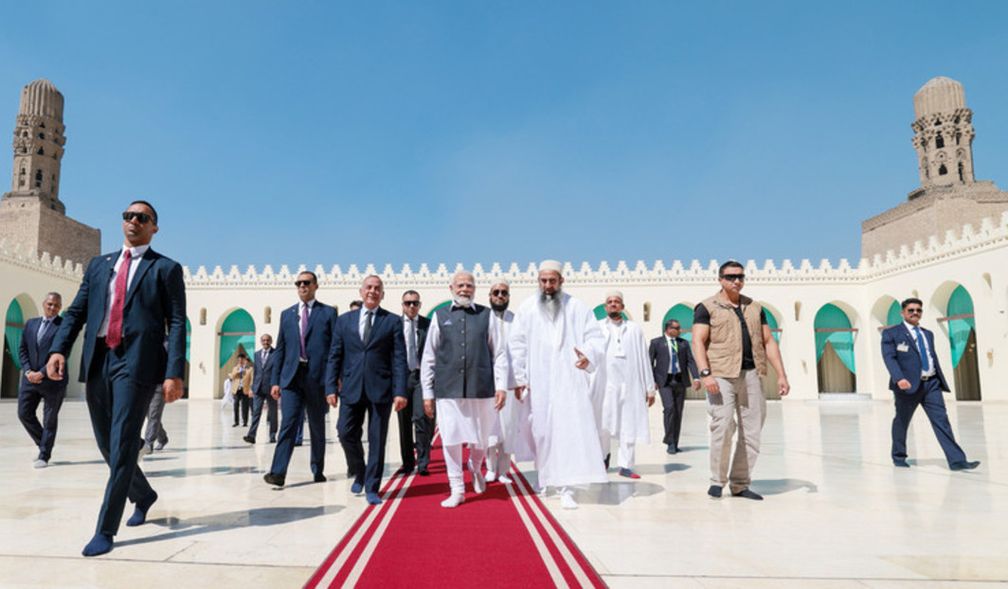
(464, 369)
(627, 385)
(515, 437)
(555, 345)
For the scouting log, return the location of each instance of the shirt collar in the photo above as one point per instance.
(135, 252)
(909, 327)
(310, 304)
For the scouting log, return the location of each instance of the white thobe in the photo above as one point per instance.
(515, 417)
(627, 380)
(563, 422)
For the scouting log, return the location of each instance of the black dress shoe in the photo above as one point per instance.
(234, 425)
(900, 462)
(965, 465)
(320, 478)
(272, 440)
(298, 443)
(423, 472)
(714, 491)
(249, 439)
(274, 479)
(747, 494)
(670, 449)
(605, 461)
(404, 470)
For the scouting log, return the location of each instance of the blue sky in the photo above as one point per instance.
(318, 132)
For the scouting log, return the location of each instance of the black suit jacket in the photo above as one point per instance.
(423, 324)
(154, 317)
(34, 353)
(262, 372)
(318, 338)
(658, 351)
(376, 370)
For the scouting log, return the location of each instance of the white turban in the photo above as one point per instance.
(550, 266)
(614, 293)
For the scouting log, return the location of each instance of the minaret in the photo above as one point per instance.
(943, 134)
(32, 216)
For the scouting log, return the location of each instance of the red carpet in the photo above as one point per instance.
(502, 538)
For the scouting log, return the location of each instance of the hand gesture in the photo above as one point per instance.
(582, 362)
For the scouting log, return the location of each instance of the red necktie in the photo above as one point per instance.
(114, 336)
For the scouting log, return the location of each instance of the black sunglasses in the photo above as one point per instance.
(300, 283)
(915, 311)
(733, 277)
(142, 218)
(500, 293)
(411, 303)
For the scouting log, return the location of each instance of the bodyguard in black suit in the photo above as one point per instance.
(368, 357)
(412, 417)
(299, 379)
(129, 301)
(36, 386)
(262, 374)
(672, 365)
(916, 378)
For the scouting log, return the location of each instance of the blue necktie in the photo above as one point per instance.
(925, 359)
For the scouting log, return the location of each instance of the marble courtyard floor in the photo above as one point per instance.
(836, 514)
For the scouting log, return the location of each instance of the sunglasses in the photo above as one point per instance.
(411, 303)
(300, 283)
(733, 277)
(142, 218)
(500, 293)
(915, 311)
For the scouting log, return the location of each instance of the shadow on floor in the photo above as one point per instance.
(75, 463)
(658, 468)
(615, 493)
(262, 516)
(779, 486)
(201, 471)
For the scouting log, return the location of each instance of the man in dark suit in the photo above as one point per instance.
(673, 366)
(133, 304)
(262, 373)
(916, 378)
(412, 416)
(36, 386)
(368, 356)
(299, 379)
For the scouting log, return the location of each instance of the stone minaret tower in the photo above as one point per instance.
(38, 144)
(32, 216)
(943, 133)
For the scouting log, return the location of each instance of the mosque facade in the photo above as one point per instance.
(947, 244)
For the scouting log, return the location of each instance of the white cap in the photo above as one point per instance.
(550, 266)
(614, 293)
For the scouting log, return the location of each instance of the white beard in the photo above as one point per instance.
(549, 305)
(462, 301)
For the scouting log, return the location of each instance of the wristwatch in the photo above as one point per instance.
(705, 372)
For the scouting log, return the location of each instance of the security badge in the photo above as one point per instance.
(902, 347)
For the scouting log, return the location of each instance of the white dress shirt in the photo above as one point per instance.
(363, 317)
(412, 360)
(931, 358)
(135, 254)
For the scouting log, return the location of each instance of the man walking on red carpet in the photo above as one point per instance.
(465, 370)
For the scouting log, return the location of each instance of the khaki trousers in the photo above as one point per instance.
(741, 399)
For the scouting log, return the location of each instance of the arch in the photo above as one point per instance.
(960, 326)
(235, 332)
(834, 341)
(939, 141)
(600, 313)
(886, 312)
(683, 313)
(202, 316)
(773, 316)
(20, 309)
(647, 312)
(942, 170)
(430, 314)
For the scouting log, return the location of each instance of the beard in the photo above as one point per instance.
(499, 307)
(616, 315)
(550, 303)
(462, 301)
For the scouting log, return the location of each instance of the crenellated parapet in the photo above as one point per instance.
(15, 254)
(990, 234)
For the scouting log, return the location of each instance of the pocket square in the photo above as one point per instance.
(447, 322)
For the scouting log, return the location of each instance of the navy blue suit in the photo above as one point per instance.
(371, 374)
(33, 354)
(903, 361)
(262, 375)
(120, 382)
(303, 385)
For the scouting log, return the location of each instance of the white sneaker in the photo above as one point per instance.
(505, 479)
(479, 483)
(39, 463)
(491, 476)
(453, 500)
(567, 499)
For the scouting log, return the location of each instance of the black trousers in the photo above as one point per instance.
(416, 430)
(271, 415)
(242, 400)
(673, 398)
(44, 433)
(117, 406)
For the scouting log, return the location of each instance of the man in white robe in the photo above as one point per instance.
(464, 368)
(627, 385)
(515, 439)
(555, 344)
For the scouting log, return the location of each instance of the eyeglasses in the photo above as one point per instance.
(500, 293)
(733, 277)
(411, 303)
(300, 283)
(142, 218)
(914, 311)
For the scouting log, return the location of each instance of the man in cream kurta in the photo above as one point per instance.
(464, 368)
(627, 385)
(555, 344)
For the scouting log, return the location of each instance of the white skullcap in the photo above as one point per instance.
(550, 266)
(614, 293)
